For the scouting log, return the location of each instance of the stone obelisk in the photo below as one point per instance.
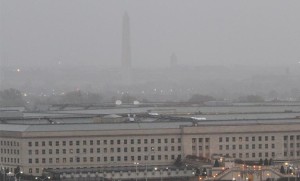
(126, 50)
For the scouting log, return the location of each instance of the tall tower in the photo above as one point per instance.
(126, 50)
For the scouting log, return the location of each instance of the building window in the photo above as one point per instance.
(220, 139)
(152, 141)
(132, 141)
(233, 139)
(158, 140)
(273, 138)
(77, 143)
(220, 147)
(266, 138)
(57, 143)
(92, 142)
(111, 142)
(227, 139)
(29, 144)
(179, 140)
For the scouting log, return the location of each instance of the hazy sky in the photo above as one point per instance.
(76, 32)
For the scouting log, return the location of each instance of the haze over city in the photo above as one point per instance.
(243, 43)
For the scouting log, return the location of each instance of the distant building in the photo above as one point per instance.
(173, 60)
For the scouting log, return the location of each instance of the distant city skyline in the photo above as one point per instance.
(88, 33)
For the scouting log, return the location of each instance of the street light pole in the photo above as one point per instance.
(18, 173)
(149, 154)
(136, 164)
(42, 179)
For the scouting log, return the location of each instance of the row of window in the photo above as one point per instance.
(9, 143)
(253, 155)
(247, 146)
(253, 138)
(200, 140)
(104, 150)
(291, 145)
(100, 159)
(9, 151)
(200, 148)
(291, 137)
(9, 160)
(104, 142)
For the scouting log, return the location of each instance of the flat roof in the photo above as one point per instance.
(153, 124)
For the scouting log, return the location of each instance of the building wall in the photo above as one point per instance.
(34, 151)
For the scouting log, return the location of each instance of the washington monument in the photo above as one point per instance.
(126, 50)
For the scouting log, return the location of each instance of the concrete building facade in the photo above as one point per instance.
(35, 147)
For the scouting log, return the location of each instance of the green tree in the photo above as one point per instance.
(11, 97)
(178, 161)
(127, 99)
(204, 172)
(200, 99)
(17, 172)
(217, 164)
(251, 99)
(271, 161)
(266, 162)
(261, 162)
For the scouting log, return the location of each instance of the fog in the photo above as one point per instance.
(221, 47)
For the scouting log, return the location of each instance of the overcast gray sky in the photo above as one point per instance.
(75, 32)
